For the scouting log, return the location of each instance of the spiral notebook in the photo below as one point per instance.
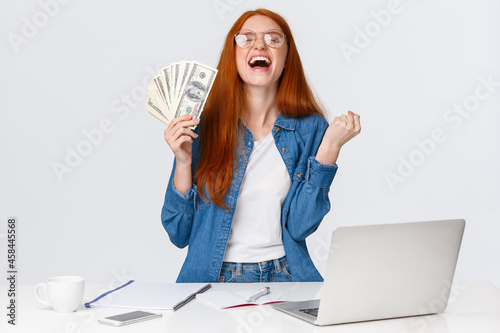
(149, 296)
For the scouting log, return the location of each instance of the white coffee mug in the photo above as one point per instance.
(63, 293)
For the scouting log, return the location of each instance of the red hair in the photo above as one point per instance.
(221, 125)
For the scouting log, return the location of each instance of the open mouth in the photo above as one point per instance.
(259, 61)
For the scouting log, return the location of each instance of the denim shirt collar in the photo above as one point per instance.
(285, 123)
(281, 121)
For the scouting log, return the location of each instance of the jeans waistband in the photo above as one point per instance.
(239, 267)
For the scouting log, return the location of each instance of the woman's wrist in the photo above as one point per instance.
(327, 154)
(183, 177)
(179, 165)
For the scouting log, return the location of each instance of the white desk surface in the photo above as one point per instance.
(473, 307)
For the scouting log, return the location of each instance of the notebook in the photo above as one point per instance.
(385, 271)
(225, 299)
(149, 296)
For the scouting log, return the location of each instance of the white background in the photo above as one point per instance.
(85, 63)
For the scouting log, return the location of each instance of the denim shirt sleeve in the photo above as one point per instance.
(320, 175)
(178, 212)
(309, 192)
(310, 202)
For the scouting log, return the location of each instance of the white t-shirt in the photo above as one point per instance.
(256, 233)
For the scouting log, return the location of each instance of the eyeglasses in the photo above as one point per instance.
(246, 38)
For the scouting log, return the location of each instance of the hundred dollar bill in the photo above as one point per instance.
(155, 111)
(180, 88)
(193, 95)
(154, 101)
(175, 80)
(166, 76)
(161, 91)
(185, 70)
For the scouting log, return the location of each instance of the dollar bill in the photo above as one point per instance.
(161, 91)
(155, 99)
(180, 88)
(176, 66)
(183, 75)
(166, 75)
(156, 112)
(195, 91)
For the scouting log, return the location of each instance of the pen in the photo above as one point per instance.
(262, 292)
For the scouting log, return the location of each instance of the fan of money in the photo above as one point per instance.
(180, 88)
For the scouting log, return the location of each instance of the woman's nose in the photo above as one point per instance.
(260, 42)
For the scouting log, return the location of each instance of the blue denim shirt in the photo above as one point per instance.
(205, 227)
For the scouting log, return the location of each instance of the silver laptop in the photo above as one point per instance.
(385, 271)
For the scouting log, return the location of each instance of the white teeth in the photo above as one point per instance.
(254, 59)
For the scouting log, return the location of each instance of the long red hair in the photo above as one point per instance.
(221, 124)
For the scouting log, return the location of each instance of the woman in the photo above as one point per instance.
(252, 181)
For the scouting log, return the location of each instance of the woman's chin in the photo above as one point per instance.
(260, 82)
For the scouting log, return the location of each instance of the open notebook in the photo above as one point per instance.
(224, 299)
(149, 296)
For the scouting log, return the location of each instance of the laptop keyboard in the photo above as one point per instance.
(312, 312)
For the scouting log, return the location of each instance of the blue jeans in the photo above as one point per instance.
(276, 270)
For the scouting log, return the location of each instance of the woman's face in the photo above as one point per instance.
(260, 73)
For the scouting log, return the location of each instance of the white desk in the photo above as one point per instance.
(476, 308)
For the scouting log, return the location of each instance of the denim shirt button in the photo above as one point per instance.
(277, 129)
(283, 150)
(299, 175)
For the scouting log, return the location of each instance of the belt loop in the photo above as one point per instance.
(239, 268)
(277, 265)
